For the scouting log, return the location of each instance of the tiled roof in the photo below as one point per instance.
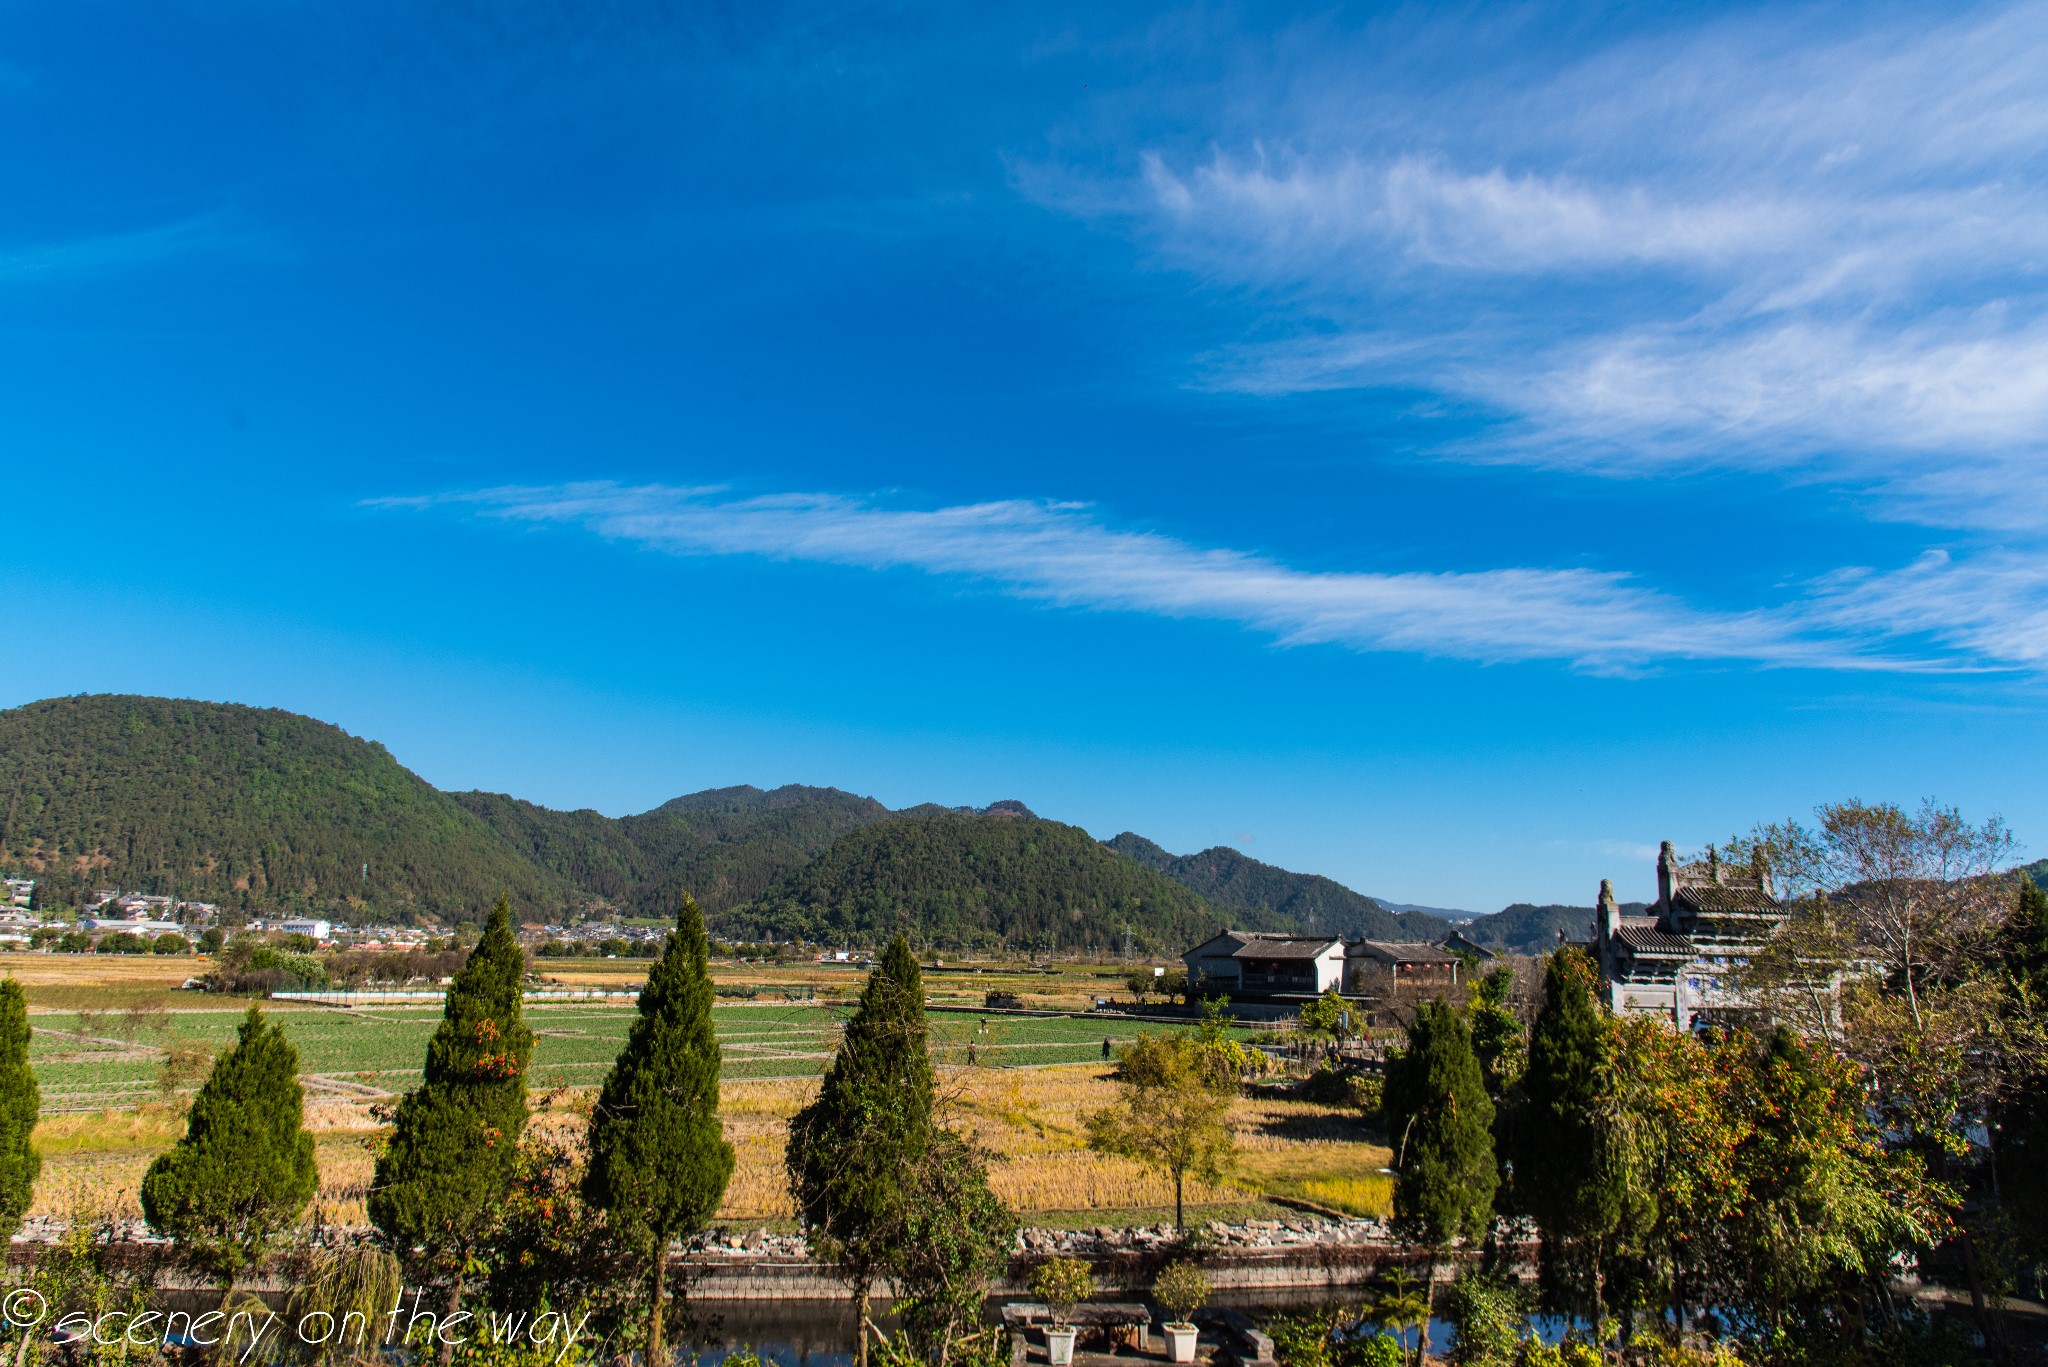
(1406, 953)
(1651, 941)
(1283, 947)
(1713, 899)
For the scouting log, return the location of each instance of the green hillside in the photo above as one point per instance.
(244, 806)
(959, 879)
(1260, 896)
(1527, 929)
(725, 845)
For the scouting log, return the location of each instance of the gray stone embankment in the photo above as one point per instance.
(1257, 1257)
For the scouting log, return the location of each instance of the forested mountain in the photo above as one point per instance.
(998, 876)
(725, 845)
(244, 806)
(1262, 896)
(266, 811)
(1526, 929)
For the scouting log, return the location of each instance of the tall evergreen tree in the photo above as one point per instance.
(2020, 1137)
(455, 1141)
(1442, 1127)
(855, 1151)
(245, 1168)
(1562, 1177)
(658, 1157)
(20, 1104)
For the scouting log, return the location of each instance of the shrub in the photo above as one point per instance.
(1062, 1283)
(1180, 1288)
(170, 942)
(1301, 1340)
(121, 942)
(1487, 1315)
(1376, 1350)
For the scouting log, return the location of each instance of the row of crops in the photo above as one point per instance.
(89, 1060)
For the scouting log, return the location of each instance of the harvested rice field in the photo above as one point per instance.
(1029, 1119)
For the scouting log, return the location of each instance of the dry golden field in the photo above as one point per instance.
(1030, 1118)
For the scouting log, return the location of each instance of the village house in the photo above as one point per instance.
(1256, 963)
(1676, 960)
(1370, 965)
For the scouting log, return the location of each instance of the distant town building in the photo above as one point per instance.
(1676, 960)
(20, 891)
(134, 925)
(319, 930)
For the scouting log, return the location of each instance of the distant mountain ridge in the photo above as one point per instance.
(724, 845)
(1267, 897)
(268, 811)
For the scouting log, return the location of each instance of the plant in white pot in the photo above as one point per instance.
(1180, 1288)
(1062, 1283)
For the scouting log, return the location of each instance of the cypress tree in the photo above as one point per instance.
(658, 1157)
(1561, 1173)
(2020, 1137)
(1442, 1127)
(245, 1168)
(454, 1143)
(20, 1103)
(854, 1151)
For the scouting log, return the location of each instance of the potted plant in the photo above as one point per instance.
(1062, 1283)
(1180, 1288)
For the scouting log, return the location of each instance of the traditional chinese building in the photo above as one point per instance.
(1676, 960)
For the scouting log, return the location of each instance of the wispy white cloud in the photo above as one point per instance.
(1065, 554)
(1994, 607)
(1801, 241)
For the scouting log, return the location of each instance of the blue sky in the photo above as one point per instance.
(1450, 449)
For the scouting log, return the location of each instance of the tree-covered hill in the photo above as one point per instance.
(724, 845)
(244, 806)
(958, 879)
(1526, 929)
(1260, 896)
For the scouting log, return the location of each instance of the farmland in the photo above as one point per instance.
(91, 1060)
(118, 1048)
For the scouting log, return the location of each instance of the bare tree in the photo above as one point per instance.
(1919, 895)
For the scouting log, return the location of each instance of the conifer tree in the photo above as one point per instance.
(1561, 1174)
(854, 1152)
(2020, 1137)
(454, 1143)
(658, 1157)
(20, 1104)
(1442, 1128)
(245, 1168)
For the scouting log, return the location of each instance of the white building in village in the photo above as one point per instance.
(1248, 961)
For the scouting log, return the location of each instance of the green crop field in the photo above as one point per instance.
(89, 1060)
